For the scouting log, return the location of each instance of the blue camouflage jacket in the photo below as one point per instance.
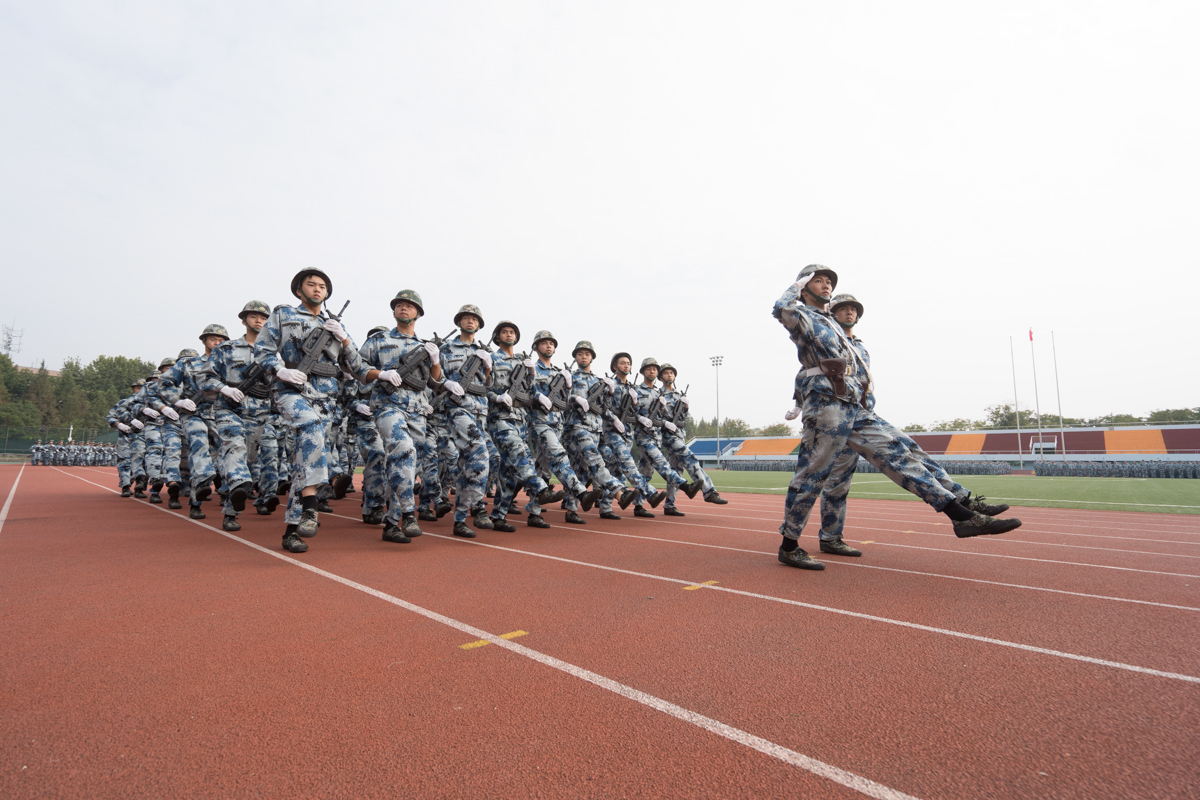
(383, 351)
(279, 345)
(817, 335)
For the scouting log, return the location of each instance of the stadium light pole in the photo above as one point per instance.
(1017, 406)
(1062, 427)
(716, 362)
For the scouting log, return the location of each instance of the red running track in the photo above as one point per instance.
(146, 654)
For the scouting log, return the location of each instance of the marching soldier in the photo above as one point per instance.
(678, 454)
(833, 387)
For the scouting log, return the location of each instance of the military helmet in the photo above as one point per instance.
(254, 307)
(665, 366)
(214, 330)
(584, 344)
(304, 273)
(153, 376)
(139, 383)
(377, 329)
(412, 297)
(612, 365)
(166, 362)
(817, 269)
(846, 300)
(647, 362)
(504, 323)
(542, 336)
(468, 309)
(186, 352)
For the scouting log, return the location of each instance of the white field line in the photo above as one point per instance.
(11, 494)
(853, 564)
(821, 769)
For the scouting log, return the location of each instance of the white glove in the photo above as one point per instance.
(435, 355)
(610, 383)
(662, 401)
(293, 376)
(233, 394)
(683, 399)
(122, 427)
(582, 401)
(363, 409)
(545, 401)
(792, 413)
(137, 424)
(671, 426)
(530, 361)
(505, 398)
(485, 357)
(646, 422)
(566, 375)
(185, 404)
(391, 376)
(169, 413)
(620, 426)
(426, 409)
(335, 327)
(150, 412)
(454, 388)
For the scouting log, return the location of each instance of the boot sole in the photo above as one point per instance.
(994, 528)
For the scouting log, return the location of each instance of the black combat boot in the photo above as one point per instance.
(230, 523)
(427, 515)
(839, 548)
(504, 526)
(715, 498)
(627, 497)
(640, 511)
(237, 497)
(609, 515)
(536, 521)
(392, 533)
(656, 498)
(409, 526)
(374, 516)
(672, 511)
(461, 529)
(196, 513)
(575, 519)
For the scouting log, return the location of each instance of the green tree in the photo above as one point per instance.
(735, 428)
(1114, 419)
(41, 393)
(778, 429)
(959, 424)
(21, 412)
(915, 427)
(1175, 415)
(1001, 416)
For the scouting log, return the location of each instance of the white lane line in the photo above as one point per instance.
(964, 552)
(872, 617)
(859, 565)
(11, 494)
(819, 768)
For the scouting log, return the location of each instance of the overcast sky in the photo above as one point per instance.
(648, 175)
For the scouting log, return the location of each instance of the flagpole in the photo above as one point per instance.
(1036, 403)
(1062, 429)
(1016, 405)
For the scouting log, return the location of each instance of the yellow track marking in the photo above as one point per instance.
(700, 586)
(482, 642)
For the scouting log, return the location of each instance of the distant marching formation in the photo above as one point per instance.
(72, 454)
(292, 406)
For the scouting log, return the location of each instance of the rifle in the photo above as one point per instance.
(520, 384)
(415, 368)
(597, 398)
(319, 348)
(472, 376)
(558, 391)
(254, 382)
(679, 412)
(626, 410)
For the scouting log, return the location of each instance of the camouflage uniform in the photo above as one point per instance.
(616, 448)
(508, 430)
(398, 418)
(679, 455)
(546, 430)
(239, 425)
(183, 381)
(647, 438)
(119, 413)
(371, 452)
(831, 422)
(466, 418)
(307, 410)
(583, 430)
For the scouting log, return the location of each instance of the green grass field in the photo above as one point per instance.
(1174, 496)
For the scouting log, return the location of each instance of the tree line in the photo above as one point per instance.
(1002, 416)
(79, 395)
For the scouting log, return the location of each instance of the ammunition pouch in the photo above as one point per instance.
(836, 370)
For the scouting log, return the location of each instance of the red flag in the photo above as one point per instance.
(1031, 334)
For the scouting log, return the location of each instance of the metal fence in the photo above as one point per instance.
(19, 439)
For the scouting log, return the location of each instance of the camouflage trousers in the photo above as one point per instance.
(447, 452)
(265, 467)
(200, 461)
(516, 467)
(374, 460)
(137, 455)
(582, 442)
(124, 460)
(154, 453)
(309, 419)
(394, 425)
(558, 462)
(427, 465)
(830, 426)
(240, 435)
(681, 459)
(837, 488)
(647, 442)
(172, 444)
(614, 447)
(467, 430)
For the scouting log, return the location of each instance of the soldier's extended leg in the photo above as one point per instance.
(309, 421)
(392, 424)
(516, 469)
(560, 466)
(833, 505)
(467, 432)
(375, 480)
(154, 461)
(621, 465)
